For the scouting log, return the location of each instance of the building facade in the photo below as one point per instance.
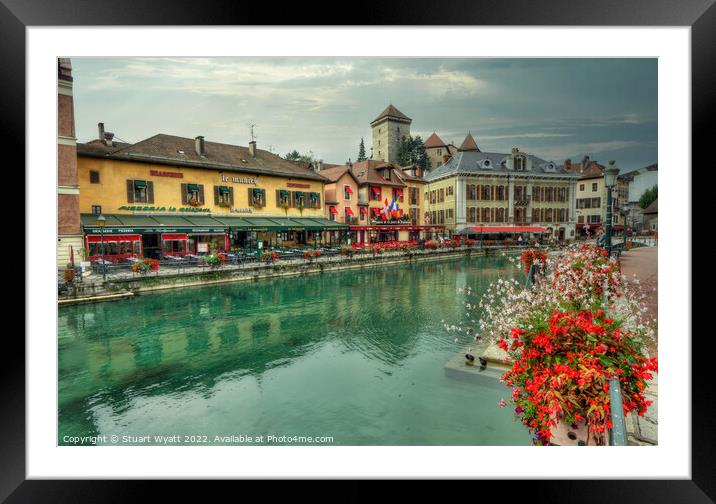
(479, 193)
(437, 151)
(389, 129)
(169, 195)
(69, 234)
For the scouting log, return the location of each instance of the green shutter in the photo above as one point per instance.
(150, 192)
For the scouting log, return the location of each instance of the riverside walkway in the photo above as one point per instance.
(643, 264)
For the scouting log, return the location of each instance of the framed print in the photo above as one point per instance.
(401, 249)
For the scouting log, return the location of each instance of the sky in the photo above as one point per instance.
(552, 108)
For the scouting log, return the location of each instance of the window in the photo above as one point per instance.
(375, 193)
(140, 191)
(449, 191)
(519, 163)
(449, 214)
(94, 177)
(441, 195)
(440, 152)
(314, 199)
(283, 198)
(413, 195)
(581, 187)
(386, 173)
(299, 199)
(594, 219)
(223, 196)
(596, 202)
(192, 194)
(347, 191)
(594, 187)
(580, 219)
(96, 209)
(257, 197)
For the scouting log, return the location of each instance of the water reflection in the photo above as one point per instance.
(353, 330)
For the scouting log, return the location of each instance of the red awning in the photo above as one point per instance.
(113, 238)
(349, 190)
(400, 193)
(174, 236)
(376, 190)
(349, 211)
(363, 210)
(334, 211)
(508, 229)
(375, 211)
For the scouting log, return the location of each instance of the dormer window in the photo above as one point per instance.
(519, 163)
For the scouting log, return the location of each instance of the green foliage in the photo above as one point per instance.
(294, 155)
(361, 151)
(648, 197)
(411, 151)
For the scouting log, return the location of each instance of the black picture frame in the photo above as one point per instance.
(700, 15)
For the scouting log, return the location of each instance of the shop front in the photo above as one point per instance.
(394, 232)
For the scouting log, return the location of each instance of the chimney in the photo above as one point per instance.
(319, 165)
(108, 138)
(568, 164)
(100, 130)
(252, 148)
(199, 146)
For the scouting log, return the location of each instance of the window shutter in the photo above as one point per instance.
(184, 199)
(231, 196)
(130, 191)
(293, 199)
(201, 194)
(150, 191)
(216, 195)
(318, 200)
(251, 197)
(278, 198)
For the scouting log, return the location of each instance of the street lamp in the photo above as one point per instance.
(610, 179)
(101, 221)
(626, 221)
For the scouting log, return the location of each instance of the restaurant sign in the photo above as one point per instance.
(145, 229)
(242, 210)
(153, 208)
(240, 180)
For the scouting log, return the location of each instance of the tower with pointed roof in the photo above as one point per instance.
(469, 144)
(389, 128)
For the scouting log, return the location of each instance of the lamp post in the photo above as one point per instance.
(610, 179)
(101, 221)
(626, 222)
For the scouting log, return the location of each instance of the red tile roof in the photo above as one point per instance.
(469, 143)
(434, 141)
(391, 111)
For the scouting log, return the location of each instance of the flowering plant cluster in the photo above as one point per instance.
(215, 260)
(532, 256)
(348, 251)
(581, 324)
(145, 266)
(310, 254)
(470, 242)
(271, 257)
(432, 245)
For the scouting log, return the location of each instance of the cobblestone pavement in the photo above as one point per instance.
(643, 262)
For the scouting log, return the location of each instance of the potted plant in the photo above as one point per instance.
(145, 266)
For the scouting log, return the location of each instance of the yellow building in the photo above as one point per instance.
(170, 195)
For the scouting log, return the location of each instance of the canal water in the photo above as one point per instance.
(355, 356)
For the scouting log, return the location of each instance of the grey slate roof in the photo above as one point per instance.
(475, 162)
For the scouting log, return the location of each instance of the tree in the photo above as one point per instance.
(648, 197)
(294, 155)
(361, 151)
(411, 151)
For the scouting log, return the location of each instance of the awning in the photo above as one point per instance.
(299, 193)
(192, 187)
(140, 183)
(375, 211)
(508, 229)
(175, 236)
(284, 192)
(349, 211)
(132, 224)
(349, 190)
(375, 190)
(363, 210)
(334, 211)
(223, 190)
(399, 192)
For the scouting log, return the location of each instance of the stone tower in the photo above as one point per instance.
(388, 130)
(69, 234)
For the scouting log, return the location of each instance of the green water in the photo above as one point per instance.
(356, 355)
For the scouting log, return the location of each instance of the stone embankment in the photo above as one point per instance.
(120, 285)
